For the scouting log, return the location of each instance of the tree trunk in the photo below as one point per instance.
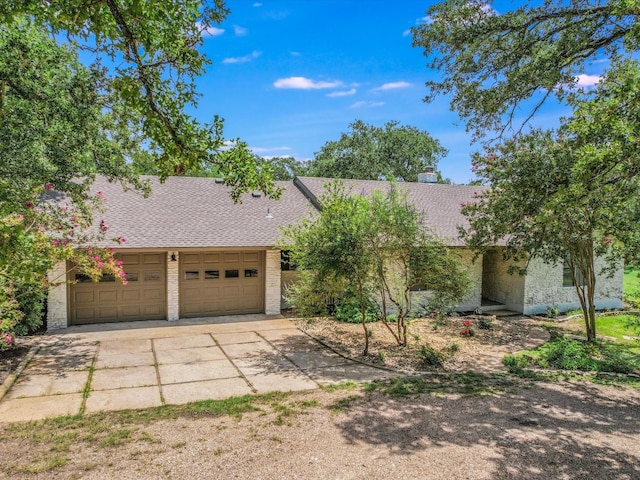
(364, 320)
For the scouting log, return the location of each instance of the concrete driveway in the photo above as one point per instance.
(149, 364)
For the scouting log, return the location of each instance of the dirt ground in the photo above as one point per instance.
(481, 352)
(527, 431)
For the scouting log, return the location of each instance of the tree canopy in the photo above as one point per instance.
(492, 63)
(148, 58)
(569, 195)
(369, 152)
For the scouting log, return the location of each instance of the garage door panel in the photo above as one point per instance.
(110, 295)
(84, 296)
(209, 258)
(143, 298)
(223, 286)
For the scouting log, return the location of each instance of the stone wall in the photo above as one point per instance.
(543, 288)
(173, 287)
(272, 283)
(57, 307)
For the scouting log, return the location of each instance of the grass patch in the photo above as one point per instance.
(45, 464)
(468, 383)
(335, 387)
(343, 404)
(567, 354)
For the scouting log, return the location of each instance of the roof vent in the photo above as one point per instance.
(428, 176)
(218, 180)
(256, 194)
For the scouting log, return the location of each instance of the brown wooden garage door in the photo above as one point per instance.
(221, 283)
(143, 298)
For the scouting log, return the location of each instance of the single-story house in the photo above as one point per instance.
(189, 251)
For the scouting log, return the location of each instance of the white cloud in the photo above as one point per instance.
(342, 93)
(257, 4)
(392, 86)
(209, 31)
(295, 54)
(240, 31)
(302, 83)
(406, 33)
(363, 104)
(587, 80)
(270, 149)
(247, 58)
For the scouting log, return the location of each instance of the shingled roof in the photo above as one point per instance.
(186, 212)
(439, 203)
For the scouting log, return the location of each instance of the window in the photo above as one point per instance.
(151, 276)
(107, 277)
(191, 275)
(285, 261)
(567, 279)
(231, 273)
(251, 272)
(132, 276)
(211, 274)
(82, 278)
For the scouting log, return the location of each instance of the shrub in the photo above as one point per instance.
(485, 323)
(348, 310)
(553, 311)
(515, 363)
(431, 357)
(567, 354)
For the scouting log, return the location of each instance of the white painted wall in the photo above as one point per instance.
(273, 282)
(57, 308)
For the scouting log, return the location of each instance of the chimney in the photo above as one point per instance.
(428, 176)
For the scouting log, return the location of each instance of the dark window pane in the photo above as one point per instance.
(132, 276)
(107, 277)
(285, 261)
(82, 278)
(251, 272)
(231, 273)
(192, 275)
(151, 276)
(211, 274)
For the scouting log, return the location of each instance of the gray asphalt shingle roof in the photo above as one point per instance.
(191, 212)
(440, 203)
(195, 212)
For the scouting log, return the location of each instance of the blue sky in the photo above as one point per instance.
(290, 75)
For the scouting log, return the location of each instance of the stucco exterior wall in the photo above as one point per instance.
(543, 288)
(57, 307)
(500, 286)
(273, 283)
(173, 287)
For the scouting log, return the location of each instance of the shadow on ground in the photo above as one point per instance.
(574, 431)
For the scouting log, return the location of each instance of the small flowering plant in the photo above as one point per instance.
(466, 330)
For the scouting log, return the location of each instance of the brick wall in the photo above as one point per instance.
(57, 300)
(173, 287)
(272, 283)
(543, 288)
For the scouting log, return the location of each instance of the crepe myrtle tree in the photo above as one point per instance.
(333, 246)
(406, 255)
(371, 244)
(542, 204)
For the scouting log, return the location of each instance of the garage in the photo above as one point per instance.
(108, 300)
(221, 283)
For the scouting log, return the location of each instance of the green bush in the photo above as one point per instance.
(348, 310)
(567, 354)
(485, 323)
(431, 357)
(515, 363)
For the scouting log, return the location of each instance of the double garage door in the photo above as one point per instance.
(211, 283)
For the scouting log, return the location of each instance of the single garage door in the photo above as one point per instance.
(143, 298)
(221, 283)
